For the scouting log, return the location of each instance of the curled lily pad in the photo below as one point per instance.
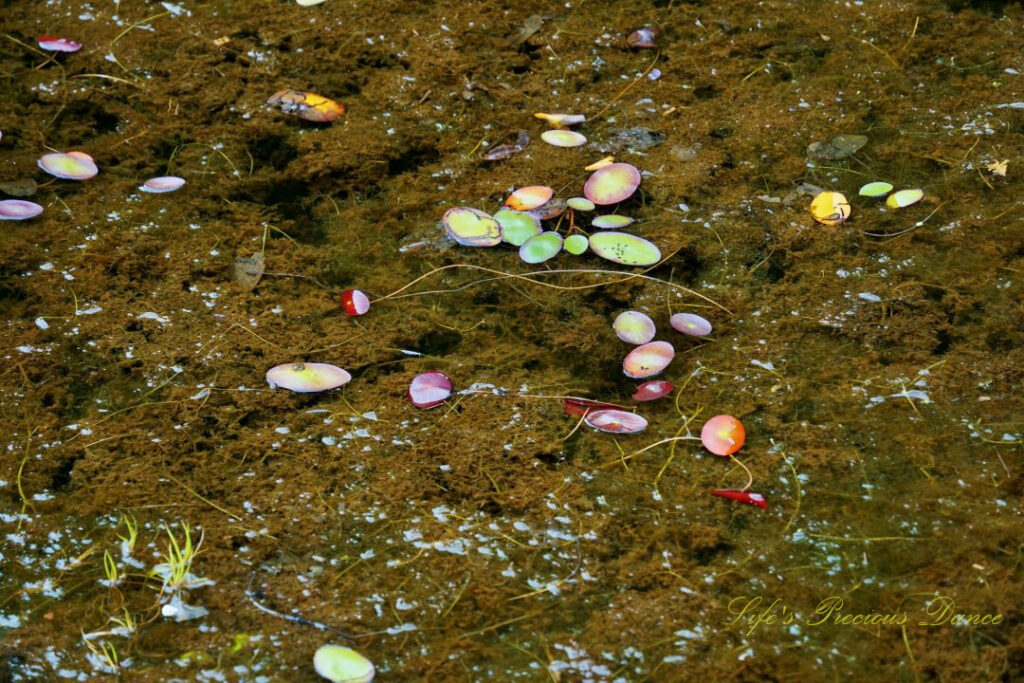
(541, 248)
(652, 390)
(529, 197)
(471, 227)
(615, 421)
(55, 44)
(307, 377)
(621, 247)
(902, 198)
(634, 327)
(161, 184)
(554, 208)
(648, 360)
(611, 221)
(355, 302)
(830, 208)
(561, 120)
(517, 226)
(576, 244)
(612, 184)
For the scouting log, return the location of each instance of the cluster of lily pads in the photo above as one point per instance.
(832, 208)
(520, 222)
(75, 165)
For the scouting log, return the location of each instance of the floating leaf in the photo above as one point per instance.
(691, 324)
(563, 138)
(69, 166)
(621, 247)
(648, 360)
(471, 227)
(876, 189)
(307, 377)
(904, 198)
(634, 327)
(615, 421)
(576, 244)
(612, 184)
(18, 210)
(830, 208)
(723, 435)
(541, 248)
(429, 389)
(342, 665)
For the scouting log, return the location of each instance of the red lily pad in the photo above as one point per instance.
(654, 389)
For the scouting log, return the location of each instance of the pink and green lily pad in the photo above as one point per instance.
(634, 327)
(563, 138)
(612, 184)
(471, 227)
(429, 389)
(307, 377)
(18, 210)
(623, 248)
(648, 360)
(529, 197)
(69, 166)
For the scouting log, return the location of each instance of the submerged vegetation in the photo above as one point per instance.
(331, 383)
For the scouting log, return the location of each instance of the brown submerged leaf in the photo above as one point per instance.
(246, 271)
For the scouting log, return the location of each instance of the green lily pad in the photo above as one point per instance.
(540, 248)
(517, 226)
(611, 221)
(576, 244)
(878, 188)
(621, 247)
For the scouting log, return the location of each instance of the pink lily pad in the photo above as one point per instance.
(307, 377)
(647, 360)
(612, 184)
(615, 421)
(160, 184)
(634, 327)
(691, 324)
(653, 389)
(55, 44)
(18, 210)
(429, 389)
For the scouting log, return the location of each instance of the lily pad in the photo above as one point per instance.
(563, 138)
(876, 189)
(623, 248)
(471, 227)
(18, 210)
(340, 664)
(246, 271)
(615, 421)
(429, 389)
(307, 377)
(576, 244)
(612, 184)
(611, 221)
(529, 197)
(902, 198)
(517, 226)
(541, 248)
(648, 360)
(634, 327)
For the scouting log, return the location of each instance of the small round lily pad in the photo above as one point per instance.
(580, 203)
(340, 664)
(541, 248)
(830, 208)
(576, 244)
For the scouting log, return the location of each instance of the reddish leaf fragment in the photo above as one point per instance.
(581, 406)
(748, 497)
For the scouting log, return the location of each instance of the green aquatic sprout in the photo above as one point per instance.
(110, 570)
(176, 570)
(132, 527)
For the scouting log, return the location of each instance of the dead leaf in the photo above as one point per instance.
(246, 271)
(997, 167)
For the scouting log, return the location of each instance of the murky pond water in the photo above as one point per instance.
(167, 516)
